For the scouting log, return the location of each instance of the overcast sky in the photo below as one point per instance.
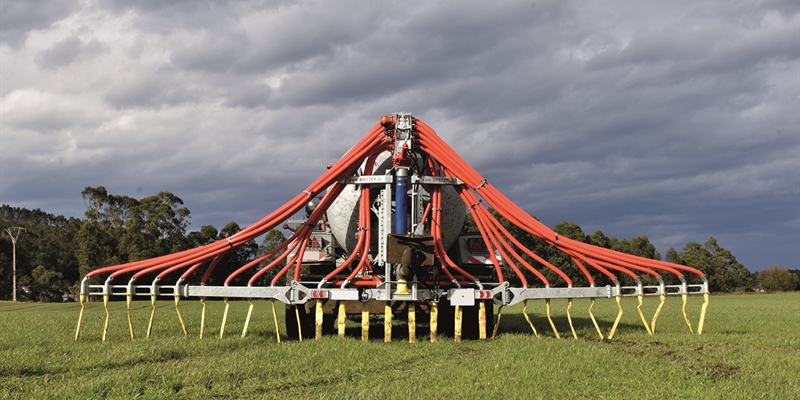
(678, 120)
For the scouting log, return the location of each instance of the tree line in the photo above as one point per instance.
(55, 252)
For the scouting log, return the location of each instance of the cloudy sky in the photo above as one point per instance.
(678, 120)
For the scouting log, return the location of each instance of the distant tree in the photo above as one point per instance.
(598, 238)
(233, 258)
(563, 261)
(469, 224)
(47, 242)
(45, 285)
(796, 272)
(638, 246)
(570, 230)
(777, 279)
(272, 239)
(206, 235)
(723, 272)
(120, 229)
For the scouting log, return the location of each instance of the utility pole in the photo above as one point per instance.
(14, 237)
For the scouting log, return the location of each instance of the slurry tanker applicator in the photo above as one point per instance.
(383, 234)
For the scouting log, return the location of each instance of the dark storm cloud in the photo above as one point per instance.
(674, 120)
(159, 89)
(18, 18)
(68, 50)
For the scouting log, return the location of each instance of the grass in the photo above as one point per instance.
(750, 348)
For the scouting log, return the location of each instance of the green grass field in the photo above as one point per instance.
(750, 349)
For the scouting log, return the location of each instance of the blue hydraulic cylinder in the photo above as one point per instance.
(400, 201)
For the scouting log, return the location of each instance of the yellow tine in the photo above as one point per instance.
(685, 297)
(641, 315)
(180, 316)
(599, 332)
(105, 325)
(527, 318)
(152, 315)
(224, 319)
(247, 319)
(128, 308)
(497, 323)
(702, 314)
(552, 325)
(202, 317)
(299, 326)
(80, 317)
(663, 298)
(569, 318)
(275, 318)
(616, 321)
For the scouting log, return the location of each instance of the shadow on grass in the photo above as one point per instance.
(516, 324)
(512, 323)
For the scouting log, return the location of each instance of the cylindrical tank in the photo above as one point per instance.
(343, 213)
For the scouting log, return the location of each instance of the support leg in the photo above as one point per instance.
(387, 323)
(482, 320)
(434, 320)
(412, 323)
(458, 320)
(364, 322)
(319, 316)
(342, 318)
